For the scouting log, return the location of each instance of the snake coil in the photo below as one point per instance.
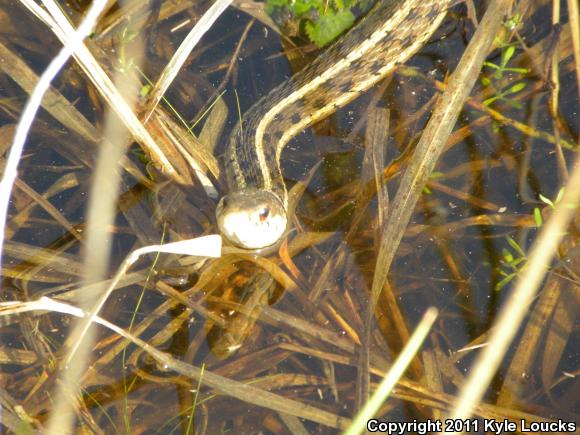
(253, 214)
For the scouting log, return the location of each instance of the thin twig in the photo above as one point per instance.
(433, 141)
(395, 373)
(63, 31)
(27, 117)
(182, 53)
(554, 95)
(244, 392)
(574, 17)
(220, 89)
(517, 307)
(206, 246)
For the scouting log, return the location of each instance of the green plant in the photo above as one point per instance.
(507, 53)
(552, 204)
(494, 81)
(434, 176)
(510, 24)
(511, 263)
(504, 93)
(322, 20)
(124, 63)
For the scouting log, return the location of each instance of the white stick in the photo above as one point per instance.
(27, 117)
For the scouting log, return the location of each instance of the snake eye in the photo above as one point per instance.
(264, 213)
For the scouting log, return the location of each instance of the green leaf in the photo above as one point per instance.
(518, 70)
(339, 5)
(141, 156)
(504, 282)
(328, 27)
(516, 88)
(507, 255)
(507, 54)
(538, 217)
(515, 104)
(485, 81)
(145, 89)
(490, 100)
(546, 200)
(302, 7)
(512, 23)
(515, 246)
(559, 195)
(127, 35)
(491, 65)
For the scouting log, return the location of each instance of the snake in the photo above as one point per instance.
(254, 212)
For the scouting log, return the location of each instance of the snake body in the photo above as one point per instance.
(253, 214)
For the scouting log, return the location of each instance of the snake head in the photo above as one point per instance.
(251, 218)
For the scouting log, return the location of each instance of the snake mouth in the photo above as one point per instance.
(251, 218)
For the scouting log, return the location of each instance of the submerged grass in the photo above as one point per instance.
(372, 406)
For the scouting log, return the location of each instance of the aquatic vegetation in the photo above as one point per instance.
(511, 263)
(321, 20)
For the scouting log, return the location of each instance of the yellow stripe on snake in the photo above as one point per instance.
(253, 214)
